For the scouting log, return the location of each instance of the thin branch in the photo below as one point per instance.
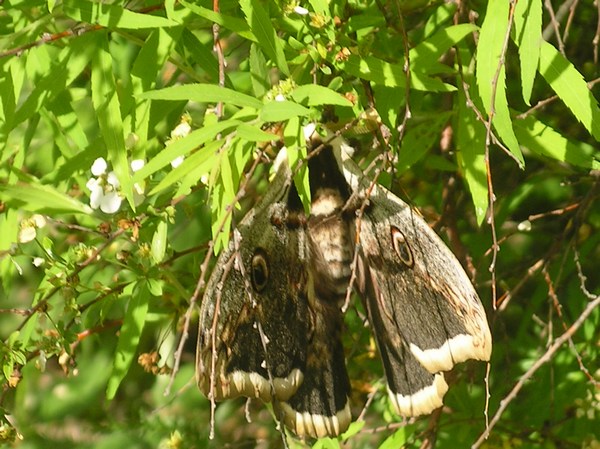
(554, 23)
(543, 359)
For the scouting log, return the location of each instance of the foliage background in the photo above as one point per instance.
(91, 333)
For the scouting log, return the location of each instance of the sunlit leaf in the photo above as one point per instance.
(491, 77)
(203, 93)
(129, 337)
(528, 37)
(276, 111)
(112, 15)
(545, 141)
(315, 95)
(570, 86)
(260, 24)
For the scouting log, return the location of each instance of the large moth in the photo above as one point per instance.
(271, 320)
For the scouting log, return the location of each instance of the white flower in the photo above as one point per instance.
(38, 261)
(137, 164)
(99, 167)
(300, 10)
(112, 179)
(110, 202)
(177, 161)
(181, 130)
(28, 228)
(103, 189)
(279, 97)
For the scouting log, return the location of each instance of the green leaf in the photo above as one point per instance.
(419, 139)
(112, 15)
(489, 51)
(238, 26)
(279, 111)
(64, 70)
(354, 428)
(326, 443)
(571, 88)
(545, 141)
(203, 93)
(471, 155)
(108, 111)
(41, 198)
(528, 37)
(425, 55)
(202, 55)
(260, 24)
(182, 147)
(315, 95)
(254, 134)
(442, 14)
(259, 72)
(199, 163)
(159, 242)
(390, 75)
(397, 439)
(129, 337)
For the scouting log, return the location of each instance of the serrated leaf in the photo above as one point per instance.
(489, 51)
(129, 337)
(261, 26)
(571, 88)
(108, 111)
(112, 15)
(545, 141)
(528, 37)
(203, 93)
(278, 111)
(315, 95)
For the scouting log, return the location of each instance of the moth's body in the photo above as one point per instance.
(271, 322)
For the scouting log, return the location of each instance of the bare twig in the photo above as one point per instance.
(555, 26)
(544, 358)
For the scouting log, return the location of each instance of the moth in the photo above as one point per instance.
(271, 319)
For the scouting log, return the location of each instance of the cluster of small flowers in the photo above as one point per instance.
(104, 187)
(179, 132)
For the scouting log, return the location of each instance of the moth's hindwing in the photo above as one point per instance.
(265, 331)
(424, 311)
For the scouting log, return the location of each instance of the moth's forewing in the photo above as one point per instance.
(233, 358)
(422, 307)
